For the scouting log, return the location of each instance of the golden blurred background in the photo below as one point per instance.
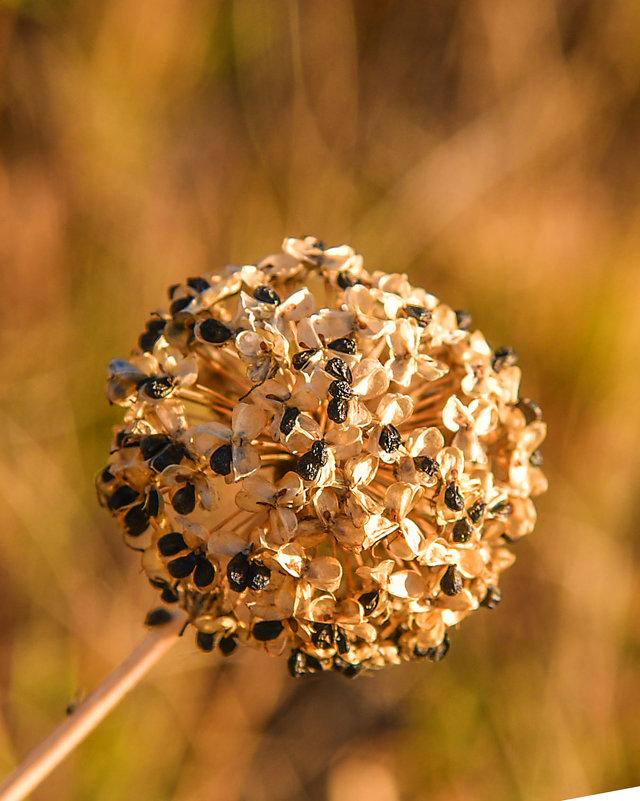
(488, 147)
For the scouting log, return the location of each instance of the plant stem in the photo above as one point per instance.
(86, 715)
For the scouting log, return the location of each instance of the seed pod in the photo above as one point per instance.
(419, 313)
(337, 410)
(492, 598)
(238, 572)
(504, 357)
(198, 283)
(184, 500)
(300, 663)
(266, 630)
(369, 601)
(214, 332)
(205, 641)
(451, 583)
(204, 573)
(302, 359)
(462, 530)
(452, 498)
(258, 576)
(265, 294)
(171, 544)
(122, 497)
(221, 460)
(158, 617)
(158, 387)
(476, 511)
(289, 418)
(463, 319)
(389, 439)
(339, 369)
(340, 389)
(343, 345)
(345, 280)
(182, 566)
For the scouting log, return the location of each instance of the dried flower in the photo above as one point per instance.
(321, 462)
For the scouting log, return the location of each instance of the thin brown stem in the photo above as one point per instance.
(86, 716)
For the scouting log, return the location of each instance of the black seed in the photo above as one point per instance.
(503, 508)
(340, 389)
(492, 598)
(427, 465)
(158, 387)
(123, 496)
(153, 333)
(172, 454)
(267, 295)
(259, 576)
(476, 511)
(342, 643)
(267, 630)
(463, 318)
(339, 369)
(205, 641)
(462, 530)
(172, 290)
(453, 499)
(345, 280)
(227, 645)
(451, 583)
(302, 359)
(179, 305)
(536, 459)
(184, 500)
(221, 460)
(389, 439)
(322, 636)
(152, 445)
(530, 410)
(436, 653)
(198, 283)
(337, 410)
(158, 583)
(106, 476)
(204, 573)
(136, 520)
(214, 331)
(169, 596)
(343, 345)
(289, 418)
(419, 313)
(182, 566)
(308, 467)
(153, 503)
(238, 572)
(369, 601)
(300, 664)
(171, 544)
(157, 617)
(504, 357)
(348, 670)
(320, 452)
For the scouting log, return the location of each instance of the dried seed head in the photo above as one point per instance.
(336, 484)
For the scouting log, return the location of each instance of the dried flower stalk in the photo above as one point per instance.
(322, 462)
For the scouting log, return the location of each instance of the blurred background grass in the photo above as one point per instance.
(487, 147)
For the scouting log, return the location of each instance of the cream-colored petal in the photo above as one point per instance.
(406, 584)
(325, 573)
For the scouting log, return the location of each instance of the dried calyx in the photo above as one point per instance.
(321, 462)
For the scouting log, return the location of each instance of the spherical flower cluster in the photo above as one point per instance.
(322, 462)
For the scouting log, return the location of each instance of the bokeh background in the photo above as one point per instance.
(490, 148)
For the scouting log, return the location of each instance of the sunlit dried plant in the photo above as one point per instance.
(325, 463)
